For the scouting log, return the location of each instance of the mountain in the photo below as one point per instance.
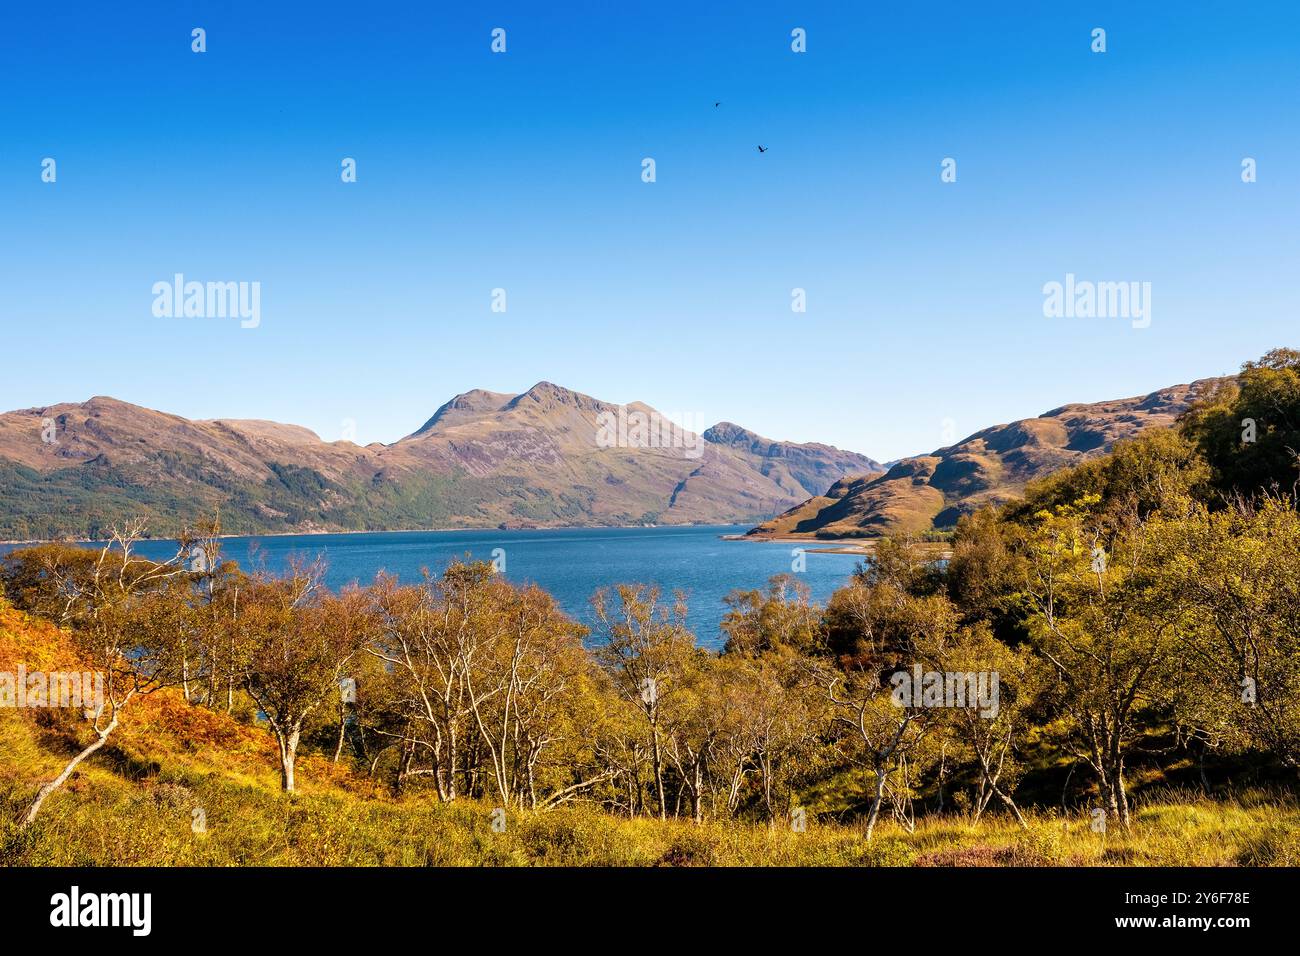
(545, 457)
(808, 465)
(915, 495)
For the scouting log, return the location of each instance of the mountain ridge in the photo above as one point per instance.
(482, 459)
(926, 493)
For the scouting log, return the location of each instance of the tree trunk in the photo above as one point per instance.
(1120, 792)
(1011, 805)
(62, 778)
(877, 800)
(338, 751)
(765, 768)
(288, 752)
(659, 772)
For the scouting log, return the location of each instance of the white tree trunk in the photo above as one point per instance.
(62, 778)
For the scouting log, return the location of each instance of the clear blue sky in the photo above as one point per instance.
(522, 171)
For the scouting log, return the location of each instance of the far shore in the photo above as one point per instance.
(861, 546)
(825, 546)
(941, 549)
(325, 531)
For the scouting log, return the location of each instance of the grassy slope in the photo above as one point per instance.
(131, 804)
(88, 500)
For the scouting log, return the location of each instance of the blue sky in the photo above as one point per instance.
(522, 171)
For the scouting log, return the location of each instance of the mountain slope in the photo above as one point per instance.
(483, 459)
(932, 491)
(810, 466)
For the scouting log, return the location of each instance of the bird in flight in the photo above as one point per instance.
(762, 149)
(716, 105)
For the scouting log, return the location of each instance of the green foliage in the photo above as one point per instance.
(782, 617)
(87, 501)
(1159, 472)
(1126, 607)
(1249, 431)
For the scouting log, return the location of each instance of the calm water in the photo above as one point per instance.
(569, 563)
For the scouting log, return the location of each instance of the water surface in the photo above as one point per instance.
(570, 563)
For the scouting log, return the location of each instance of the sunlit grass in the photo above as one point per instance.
(104, 819)
(133, 804)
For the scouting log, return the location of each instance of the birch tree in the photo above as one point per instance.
(1107, 635)
(645, 644)
(301, 642)
(125, 617)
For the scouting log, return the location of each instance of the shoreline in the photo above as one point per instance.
(827, 546)
(861, 546)
(314, 533)
(941, 550)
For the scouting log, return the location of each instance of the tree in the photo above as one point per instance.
(300, 644)
(523, 698)
(1159, 472)
(645, 649)
(774, 718)
(488, 688)
(213, 635)
(985, 573)
(879, 734)
(783, 616)
(1234, 576)
(773, 708)
(417, 639)
(990, 738)
(125, 617)
(1249, 429)
(879, 624)
(693, 723)
(1109, 638)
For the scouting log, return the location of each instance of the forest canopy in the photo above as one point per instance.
(1131, 621)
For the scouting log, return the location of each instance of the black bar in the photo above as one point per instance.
(922, 906)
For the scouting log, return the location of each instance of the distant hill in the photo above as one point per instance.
(483, 459)
(928, 492)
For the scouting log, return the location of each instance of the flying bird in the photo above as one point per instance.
(716, 105)
(762, 149)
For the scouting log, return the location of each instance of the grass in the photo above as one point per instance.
(126, 809)
(107, 820)
(132, 804)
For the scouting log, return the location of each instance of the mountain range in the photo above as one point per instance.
(930, 492)
(547, 457)
(484, 459)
